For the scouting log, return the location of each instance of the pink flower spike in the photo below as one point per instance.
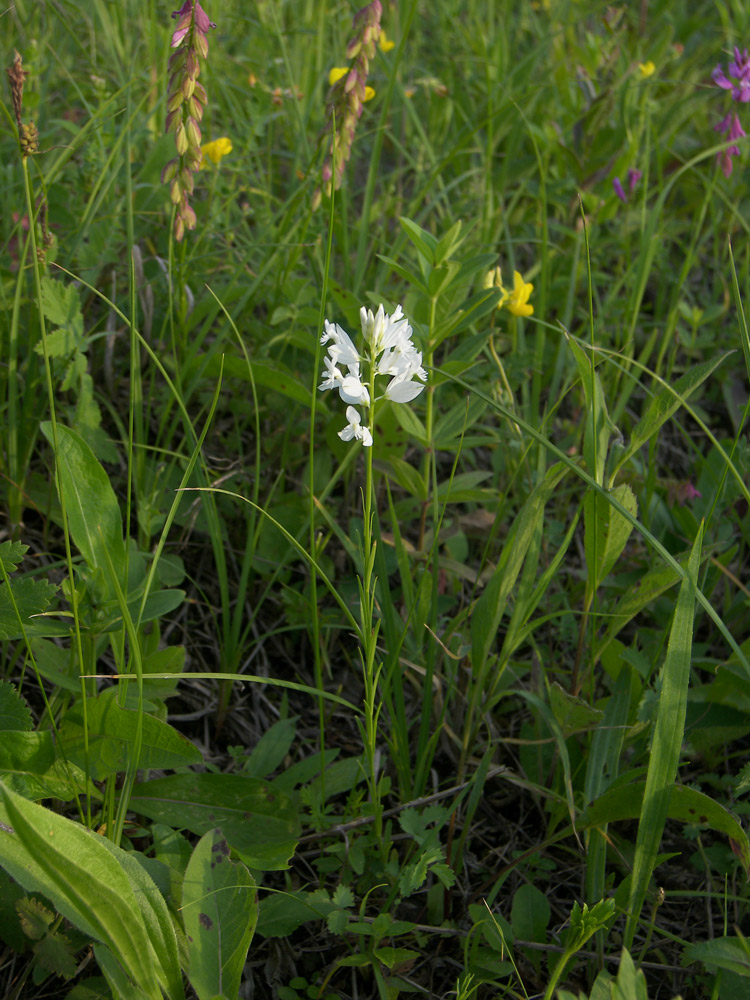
(619, 191)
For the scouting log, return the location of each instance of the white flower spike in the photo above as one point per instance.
(389, 351)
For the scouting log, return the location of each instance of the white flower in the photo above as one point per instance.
(354, 429)
(342, 350)
(402, 390)
(383, 332)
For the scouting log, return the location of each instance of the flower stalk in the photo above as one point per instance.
(347, 95)
(186, 102)
(388, 353)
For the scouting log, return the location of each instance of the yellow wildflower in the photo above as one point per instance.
(338, 71)
(384, 43)
(215, 151)
(646, 69)
(518, 299)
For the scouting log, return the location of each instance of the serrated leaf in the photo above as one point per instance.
(32, 597)
(35, 917)
(60, 302)
(55, 954)
(220, 911)
(11, 555)
(15, 715)
(260, 822)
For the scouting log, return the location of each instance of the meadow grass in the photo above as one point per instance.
(462, 712)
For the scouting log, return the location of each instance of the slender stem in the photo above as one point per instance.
(72, 592)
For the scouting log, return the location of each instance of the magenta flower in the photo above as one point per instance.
(633, 177)
(619, 191)
(738, 80)
(730, 128)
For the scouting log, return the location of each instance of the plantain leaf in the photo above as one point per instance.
(68, 864)
(220, 911)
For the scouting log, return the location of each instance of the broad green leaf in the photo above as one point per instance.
(407, 477)
(606, 531)
(530, 913)
(15, 714)
(667, 401)
(272, 375)
(631, 982)
(32, 752)
(63, 780)
(624, 801)
(411, 423)
(447, 244)
(730, 953)
(424, 242)
(573, 714)
(260, 822)
(68, 864)
(457, 420)
(156, 919)
(271, 749)
(93, 512)
(392, 957)
(642, 594)
(112, 731)
(282, 913)
(404, 273)
(666, 742)
(219, 910)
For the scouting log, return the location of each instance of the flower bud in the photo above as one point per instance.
(181, 139)
(193, 133)
(175, 191)
(169, 171)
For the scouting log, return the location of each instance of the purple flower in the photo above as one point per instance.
(730, 128)
(738, 80)
(633, 177)
(619, 189)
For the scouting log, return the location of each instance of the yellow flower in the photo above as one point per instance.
(215, 151)
(338, 71)
(518, 299)
(385, 45)
(646, 69)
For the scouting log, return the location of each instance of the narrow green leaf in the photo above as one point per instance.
(665, 403)
(260, 822)
(93, 512)
(666, 742)
(599, 426)
(220, 911)
(490, 607)
(606, 531)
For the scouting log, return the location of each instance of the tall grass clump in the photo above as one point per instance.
(375, 481)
